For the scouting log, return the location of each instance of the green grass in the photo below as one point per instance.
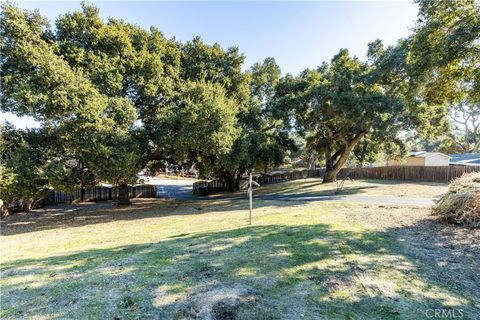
(201, 259)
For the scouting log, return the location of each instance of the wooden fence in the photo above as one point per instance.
(402, 173)
(97, 194)
(213, 186)
(287, 176)
(408, 173)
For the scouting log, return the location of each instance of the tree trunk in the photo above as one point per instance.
(232, 179)
(333, 168)
(334, 163)
(123, 196)
(27, 205)
(4, 210)
(312, 159)
(331, 174)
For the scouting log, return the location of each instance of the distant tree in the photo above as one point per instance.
(221, 71)
(265, 140)
(462, 136)
(7, 177)
(465, 128)
(205, 125)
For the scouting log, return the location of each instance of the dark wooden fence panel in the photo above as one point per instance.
(287, 176)
(97, 194)
(408, 173)
(213, 186)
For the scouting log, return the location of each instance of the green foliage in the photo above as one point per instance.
(22, 165)
(201, 62)
(42, 81)
(445, 52)
(268, 124)
(346, 102)
(265, 141)
(205, 123)
(463, 136)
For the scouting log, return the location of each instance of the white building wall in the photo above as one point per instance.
(437, 160)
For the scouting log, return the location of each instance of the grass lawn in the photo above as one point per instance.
(177, 260)
(314, 186)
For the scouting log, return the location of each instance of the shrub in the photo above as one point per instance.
(461, 204)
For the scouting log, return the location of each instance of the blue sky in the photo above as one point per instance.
(297, 34)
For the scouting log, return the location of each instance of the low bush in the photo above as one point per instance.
(461, 204)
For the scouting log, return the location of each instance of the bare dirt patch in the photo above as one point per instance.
(215, 303)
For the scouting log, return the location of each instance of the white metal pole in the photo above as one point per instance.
(250, 191)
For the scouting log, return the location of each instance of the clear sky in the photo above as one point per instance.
(298, 35)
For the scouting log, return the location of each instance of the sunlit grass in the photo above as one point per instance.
(173, 260)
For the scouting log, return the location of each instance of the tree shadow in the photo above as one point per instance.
(401, 182)
(286, 189)
(75, 215)
(64, 216)
(269, 272)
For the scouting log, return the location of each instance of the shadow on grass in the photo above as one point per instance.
(67, 216)
(76, 215)
(258, 272)
(291, 189)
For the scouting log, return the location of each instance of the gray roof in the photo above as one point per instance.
(424, 154)
(416, 153)
(465, 158)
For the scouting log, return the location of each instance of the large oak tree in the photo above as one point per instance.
(119, 97)
(347, 101)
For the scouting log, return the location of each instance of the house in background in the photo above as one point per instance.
(465, 159)
(423, 159)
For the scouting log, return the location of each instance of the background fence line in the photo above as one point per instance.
(213, 185)
(94, 194)
(409, 173)
(402, 173)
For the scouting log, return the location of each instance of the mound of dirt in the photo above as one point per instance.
(461, 204)
(217, 303)
(225, 309)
